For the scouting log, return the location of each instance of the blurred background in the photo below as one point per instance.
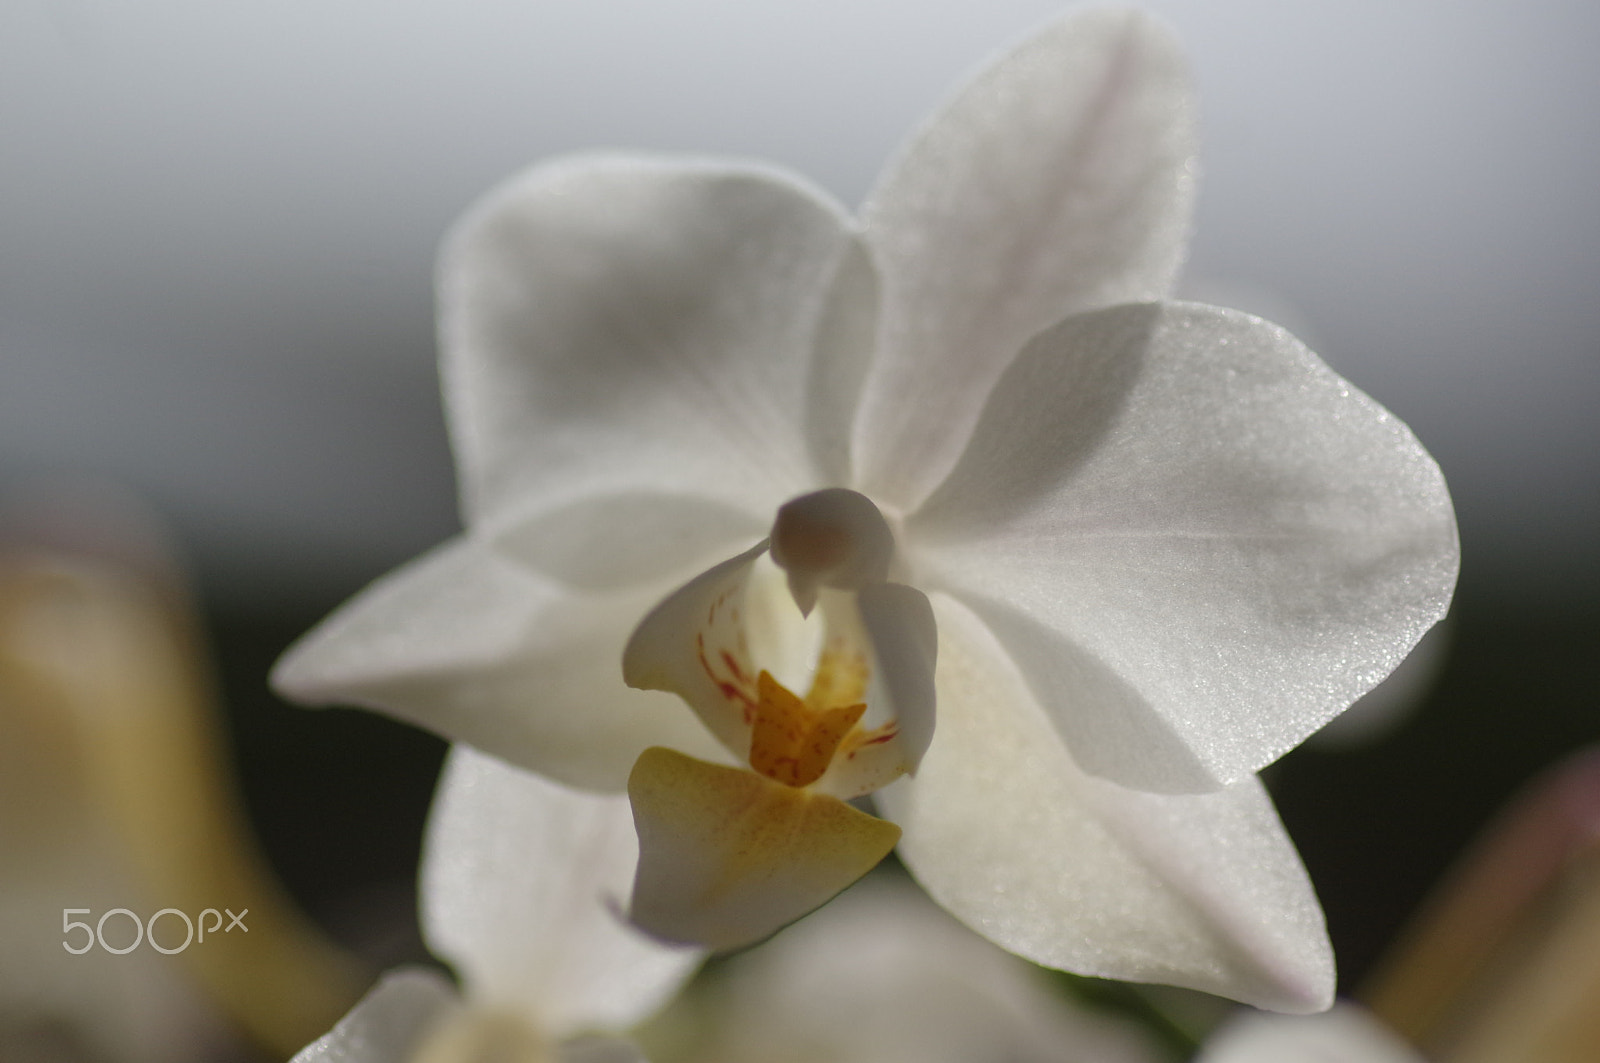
(217, 226)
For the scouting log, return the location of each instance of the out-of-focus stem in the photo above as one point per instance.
(1504, 962)
(117, 659)
(1546, 1007)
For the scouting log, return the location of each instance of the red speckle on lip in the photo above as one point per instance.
(736, 689)
(733, 666)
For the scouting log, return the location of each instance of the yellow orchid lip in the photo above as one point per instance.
(728, 856)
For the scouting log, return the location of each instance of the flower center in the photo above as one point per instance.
(792, 742)
(737, 647)
(831, 538)
(727, 855)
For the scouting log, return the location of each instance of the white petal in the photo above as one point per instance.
(388, 1023)
(599, 1050)
(615, 323)
(617, 541)
(880, 975)
(1059, 179)
(1346, 1034)
(694, 644)
(897, 623)
(846, 340)
(1075, 872)
(905, 643)
(1197, 540)
(522, 884)
(483, 650)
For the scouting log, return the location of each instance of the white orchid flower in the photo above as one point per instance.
(1152, 545)
(521, 880)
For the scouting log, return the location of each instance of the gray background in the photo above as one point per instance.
(217, 222)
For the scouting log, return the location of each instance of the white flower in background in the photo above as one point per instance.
(1152, 545)
(520, 883)
(1345, 1034)
(882, 976)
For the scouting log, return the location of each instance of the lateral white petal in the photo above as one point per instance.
(1197, 540)
(480, 649)
(613, 323)
(695, 643)
(1075, 872)
(389, 1023)
(1059, 179)
(897, 622)
(523, 882)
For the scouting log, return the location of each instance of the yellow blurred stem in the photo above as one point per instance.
(121, 660)
(1504, 962)
(1546, 1007)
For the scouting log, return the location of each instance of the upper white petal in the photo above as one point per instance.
(616, 323)
(1199, 542)
(523, 882)
(1075, 872)
(846, 340)
(1060, 178)
(389, 1023)
(1345, 1034)
(468, 643)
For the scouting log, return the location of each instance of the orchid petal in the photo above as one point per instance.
(482, 650)
(522, 884)
(897, 623)
(1198, 542)
(389, 1023)
(598, 1049)
(1073, 872)
(618, 323)
(1059, 179)
(846, 340)
(881, 975)
(695, 644)
(727, 857)
(1345, 1034)
(620, 541)
(905, 642)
